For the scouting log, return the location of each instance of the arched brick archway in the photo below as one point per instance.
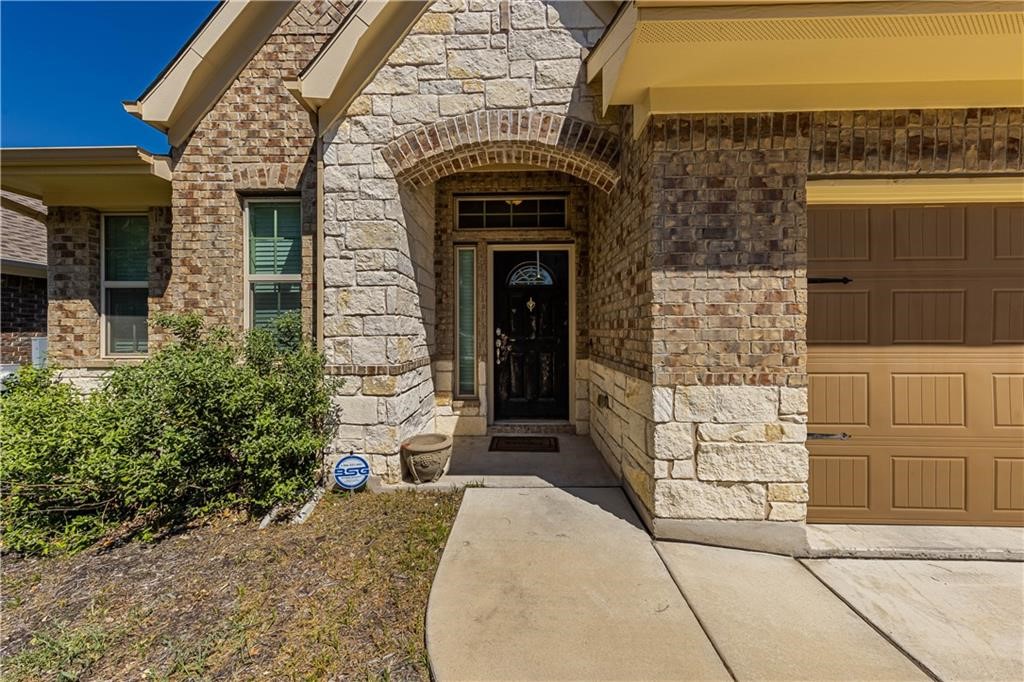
(485, 138)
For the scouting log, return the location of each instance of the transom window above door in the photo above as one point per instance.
(515, 212)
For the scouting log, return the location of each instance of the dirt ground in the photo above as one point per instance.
(342, 596)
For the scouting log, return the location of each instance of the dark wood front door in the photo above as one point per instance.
(531, 334)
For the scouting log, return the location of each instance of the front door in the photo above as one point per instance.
(531, 334)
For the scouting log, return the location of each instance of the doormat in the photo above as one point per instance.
(524, 444)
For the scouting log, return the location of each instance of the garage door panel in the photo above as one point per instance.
(928, 233)
(927, 316)
(838, 399)
(842, 235)
(927, 400)
(1008, 316)
(1009, 484)
(1009, 232)
(1008, 399)
(838, 316)
(929, 483)
(839, 481)
(925, 371)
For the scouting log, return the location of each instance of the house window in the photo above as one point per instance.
(125, 288)
(274, 246)
(465, 321)
(512, 212)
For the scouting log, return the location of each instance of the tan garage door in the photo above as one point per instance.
(921, 360)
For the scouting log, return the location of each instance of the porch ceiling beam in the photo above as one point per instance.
(792, 56)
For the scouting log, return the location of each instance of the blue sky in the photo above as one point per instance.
(65, 67)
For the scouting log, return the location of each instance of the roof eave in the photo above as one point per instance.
(104, 178)
(206, 66)
(353, 55)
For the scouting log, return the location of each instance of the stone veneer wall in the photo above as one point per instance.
(462, 62)
(22, 316)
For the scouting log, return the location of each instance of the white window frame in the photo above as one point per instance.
(104, 284)
(457, 382)
(247, 266)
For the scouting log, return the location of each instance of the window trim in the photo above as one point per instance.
(249, 278)
(563, 196)
(105, 352)
(456, 374)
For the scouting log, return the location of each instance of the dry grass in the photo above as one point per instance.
(342, 596)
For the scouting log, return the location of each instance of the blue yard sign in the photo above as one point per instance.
(351, 472)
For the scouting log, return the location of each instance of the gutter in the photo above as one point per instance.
(318, 255)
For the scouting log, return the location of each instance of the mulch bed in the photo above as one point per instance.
(341, 596)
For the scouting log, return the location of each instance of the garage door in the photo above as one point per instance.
(920, 359)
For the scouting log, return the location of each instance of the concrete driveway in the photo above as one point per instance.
(962, 620)
(564, 583)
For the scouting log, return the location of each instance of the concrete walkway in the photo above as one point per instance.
(559, 584)
(565, 584)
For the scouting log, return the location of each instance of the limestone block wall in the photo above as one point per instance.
(621, 421)
(462, 61)
(730, 452)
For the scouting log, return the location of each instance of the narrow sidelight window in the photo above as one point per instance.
(465, 321)
(274, 273)
(125, 287)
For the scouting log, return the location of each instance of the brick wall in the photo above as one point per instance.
(915, 141)
(620, 323)
(73, 255)
(22, 316)
(257, 140)
(729, 246)
(74, 281)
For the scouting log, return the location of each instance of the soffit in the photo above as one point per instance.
(811, 56)
(104, 178)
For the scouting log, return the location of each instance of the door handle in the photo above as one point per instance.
(829, 436)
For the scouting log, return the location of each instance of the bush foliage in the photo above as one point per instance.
(206, 423)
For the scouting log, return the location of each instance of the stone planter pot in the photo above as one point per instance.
(426, 456)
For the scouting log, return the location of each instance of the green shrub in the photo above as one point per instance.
(205, 423)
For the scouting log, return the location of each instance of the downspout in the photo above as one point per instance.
(318, 313)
